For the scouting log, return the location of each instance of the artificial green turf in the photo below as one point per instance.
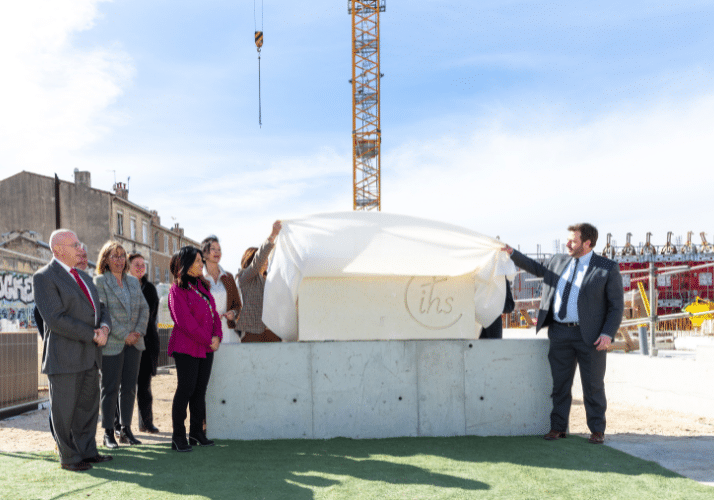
(513, 468)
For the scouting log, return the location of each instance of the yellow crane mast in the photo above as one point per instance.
(366, 128)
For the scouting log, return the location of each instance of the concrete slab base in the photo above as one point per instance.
(379, 389)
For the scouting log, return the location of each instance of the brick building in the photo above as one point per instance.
(29, 201)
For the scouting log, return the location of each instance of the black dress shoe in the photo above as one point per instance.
(109, 440)
(180, 444)
(149, 429)
(199, 439)
(78, 467)
(97, 459)
(554, 435)
(127, 437)
(597, 438)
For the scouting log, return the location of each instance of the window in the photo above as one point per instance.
(166, 243)
(175, 245)
(157, 274)
(166, 276)
(705, 279)
(145, 231)
(132, 228)
(120, 222)
(664, 280)
(156, 241)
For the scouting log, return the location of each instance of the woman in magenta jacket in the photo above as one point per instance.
(196, 335)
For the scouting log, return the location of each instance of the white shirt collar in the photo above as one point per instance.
(65, 266)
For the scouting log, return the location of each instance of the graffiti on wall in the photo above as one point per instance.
(17, 299)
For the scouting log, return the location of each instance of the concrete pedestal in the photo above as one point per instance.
(379, 389)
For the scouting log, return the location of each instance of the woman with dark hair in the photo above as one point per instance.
(150, 357)
(122, 354)
(223, 288)
(252, 285)
(196, 335)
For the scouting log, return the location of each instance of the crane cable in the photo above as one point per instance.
(259, 45)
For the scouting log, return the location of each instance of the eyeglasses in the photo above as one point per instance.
(117, 257)
(73, 245)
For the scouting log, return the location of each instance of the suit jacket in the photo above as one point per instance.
(600, 301)
(196, 321)
(69, 320)
(126, 318)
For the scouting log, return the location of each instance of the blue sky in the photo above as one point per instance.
(510, 118)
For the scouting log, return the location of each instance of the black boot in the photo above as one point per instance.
(127, 437)
(199, 439)
(109, 440)
(180, 444)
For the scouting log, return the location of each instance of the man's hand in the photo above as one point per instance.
(507, 249)
(101, 335)
(602, 342)
(230, 315)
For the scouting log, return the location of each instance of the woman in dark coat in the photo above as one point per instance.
(150, 357)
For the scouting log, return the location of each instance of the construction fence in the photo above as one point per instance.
(22, 383)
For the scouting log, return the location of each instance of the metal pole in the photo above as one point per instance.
(642, 330)
(653, 311)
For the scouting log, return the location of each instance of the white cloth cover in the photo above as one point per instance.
(351, 244)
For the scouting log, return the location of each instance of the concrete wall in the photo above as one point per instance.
(379, 389)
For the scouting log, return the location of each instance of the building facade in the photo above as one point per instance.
(36, 202)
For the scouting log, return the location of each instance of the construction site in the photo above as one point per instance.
(668, 289)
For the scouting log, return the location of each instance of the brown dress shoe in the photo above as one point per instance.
(78, 467)
(597, 438)
(554, 435)
(96, 459)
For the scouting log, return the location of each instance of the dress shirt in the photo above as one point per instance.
(571, 315)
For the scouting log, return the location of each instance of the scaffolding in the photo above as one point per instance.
(366, 126)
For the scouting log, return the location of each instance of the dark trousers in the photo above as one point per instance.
(74, 405)
(119, 374)
(568, 350)
(144, 398)
(193, 375)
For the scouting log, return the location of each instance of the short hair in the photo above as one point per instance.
(207, 242)
(107, 249)
(185, 259)
(248, 257)
(55, 234)
(587, 232)
(134, 255)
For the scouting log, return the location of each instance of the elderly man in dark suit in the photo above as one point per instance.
(76, 326)
(582, 305)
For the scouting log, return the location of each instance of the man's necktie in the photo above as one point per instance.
(566, 293)
(81, 284)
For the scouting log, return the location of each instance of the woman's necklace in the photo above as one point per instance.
(195, 289)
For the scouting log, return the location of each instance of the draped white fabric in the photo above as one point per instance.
(351, 244)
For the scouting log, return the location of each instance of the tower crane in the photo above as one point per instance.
(366, 127)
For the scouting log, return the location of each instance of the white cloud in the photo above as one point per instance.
(636, 171)
(54, 95)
